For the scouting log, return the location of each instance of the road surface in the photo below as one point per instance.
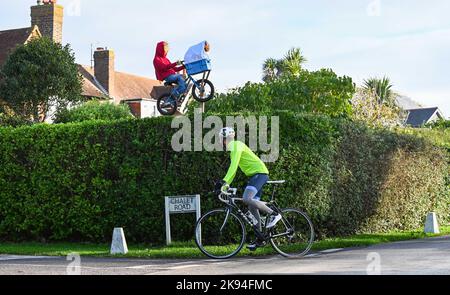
(422, 257)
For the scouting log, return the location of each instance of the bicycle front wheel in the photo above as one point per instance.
(293, 236)
(220, 234)
(204, 92)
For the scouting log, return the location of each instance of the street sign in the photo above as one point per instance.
(187, 204)
(180, 205)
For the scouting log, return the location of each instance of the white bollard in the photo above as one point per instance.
(119, 243)
(431, 225)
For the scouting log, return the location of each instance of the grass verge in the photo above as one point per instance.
(188, 250)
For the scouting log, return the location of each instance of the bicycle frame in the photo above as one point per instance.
(190, 79)
(232, 206)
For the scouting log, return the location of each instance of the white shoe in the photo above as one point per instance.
(274, 220)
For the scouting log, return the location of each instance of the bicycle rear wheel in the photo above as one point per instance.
(167, 105)
(293, 236)
(220, 234)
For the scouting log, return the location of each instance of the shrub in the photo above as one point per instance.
(320, 92)
(7, 120)
(94, 110)
(76, 182)
(440, 124)
(439, 136)
(386, 181)
(368, 108)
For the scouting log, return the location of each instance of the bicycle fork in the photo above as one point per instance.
(227, 216)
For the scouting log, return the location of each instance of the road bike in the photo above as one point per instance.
(222, 233)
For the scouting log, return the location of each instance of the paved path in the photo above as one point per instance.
(429, 256)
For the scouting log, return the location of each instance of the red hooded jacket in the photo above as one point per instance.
(163, 67)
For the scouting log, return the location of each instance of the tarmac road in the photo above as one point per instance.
(419, 257)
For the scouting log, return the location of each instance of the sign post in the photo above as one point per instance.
(180, 205)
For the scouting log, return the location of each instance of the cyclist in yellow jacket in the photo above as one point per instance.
(254, 168)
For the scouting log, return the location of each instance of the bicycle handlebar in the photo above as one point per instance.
(230, 192)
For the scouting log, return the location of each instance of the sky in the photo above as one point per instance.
(405, 40)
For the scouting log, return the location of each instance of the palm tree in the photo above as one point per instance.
(271, 69)
(382, 88)
(291, 64)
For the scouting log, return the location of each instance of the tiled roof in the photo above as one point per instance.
(9, 40)
(127, 86)
(91, 87)
(419, 117)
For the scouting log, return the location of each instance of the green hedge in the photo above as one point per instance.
(76, 182)
(94, 110)
(7, 120)
(318, 92)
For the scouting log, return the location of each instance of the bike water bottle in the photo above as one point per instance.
(263, 221)
(252, 218)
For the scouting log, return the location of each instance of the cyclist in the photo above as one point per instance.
(167, 71)
(256, 170)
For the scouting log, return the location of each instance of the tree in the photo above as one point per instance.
(293, 62)
(368, 108)
(382, 88)
(38, 77)
(271, 69)
(290, 65)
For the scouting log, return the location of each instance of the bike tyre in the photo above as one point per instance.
(310, 241)
(209, 97)
(229, 255)
(161, 110)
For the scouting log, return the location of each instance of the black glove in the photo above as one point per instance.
(218, 186)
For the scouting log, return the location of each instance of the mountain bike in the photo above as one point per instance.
(202, 89)
(221, 233)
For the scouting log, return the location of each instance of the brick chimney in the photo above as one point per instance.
(104, 69)
(48, 16)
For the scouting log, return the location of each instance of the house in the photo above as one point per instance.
(10, 38)
(417, 115)
(101, 81)
(104, 82)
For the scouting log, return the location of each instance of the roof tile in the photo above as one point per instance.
(419, 117)
(127, 86)
(9, 40)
